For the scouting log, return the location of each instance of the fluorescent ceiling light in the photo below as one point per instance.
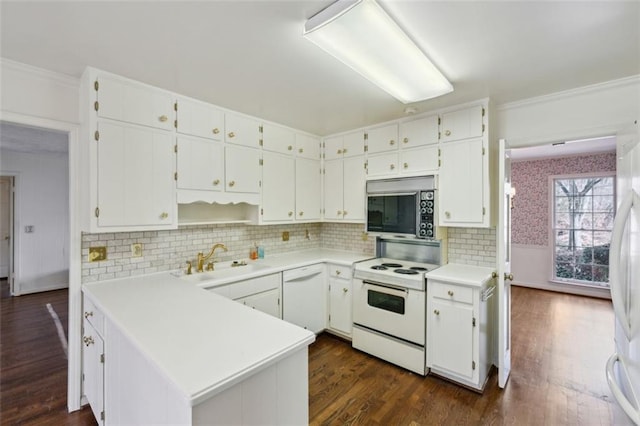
(361, 35)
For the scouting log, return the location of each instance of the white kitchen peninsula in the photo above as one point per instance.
(178, 354)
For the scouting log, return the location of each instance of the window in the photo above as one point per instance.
(584, 209)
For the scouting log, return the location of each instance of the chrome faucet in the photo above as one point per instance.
(202, 258)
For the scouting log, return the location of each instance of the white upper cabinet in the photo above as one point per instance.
(241, 130)
(278, 139)
(135, 177)
(278, 187)
(242, 169)
(308, 189)
(307, 146)
(462, 124)
(382, 165)
(421, 160)
(354, 189)
(199, 119)
(132, 102)
(422, 131)
(200, 164)
(333, 189)
(382, 139)
(349, 145)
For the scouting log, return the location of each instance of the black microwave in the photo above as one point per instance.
(404, 206)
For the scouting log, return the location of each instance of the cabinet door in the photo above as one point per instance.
(333, 189)
(462, 177)
(333, 147)
(462, 124)
(451, 337)
(308, 192)
(382, 139)
(354, 188)
(93, 370)
(136, 185)
(340, 318)
(240, 130)
(135, 103)
(278, 187)
(417, 160)
(200, 164)
(267, 302)
(423, 131)
(278, 139)
(353, 144)
(385, 164)
(307, 147)
(242, 169)
(199, 119)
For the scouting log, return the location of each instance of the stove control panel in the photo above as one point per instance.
(427, 208)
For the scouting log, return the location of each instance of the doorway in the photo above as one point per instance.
(6, 227)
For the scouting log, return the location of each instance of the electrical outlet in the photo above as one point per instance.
(285, 236)
(365, 236)
(97, 254)
(28, 229)
(136, 250)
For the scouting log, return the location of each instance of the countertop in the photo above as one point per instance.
(456, 273)
(203, 342)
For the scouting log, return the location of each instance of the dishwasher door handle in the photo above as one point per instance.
(302, 274)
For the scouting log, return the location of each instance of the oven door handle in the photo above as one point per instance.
(381, 288)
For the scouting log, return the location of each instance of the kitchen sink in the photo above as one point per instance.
(225, 271)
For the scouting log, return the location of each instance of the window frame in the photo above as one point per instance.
(551, 224)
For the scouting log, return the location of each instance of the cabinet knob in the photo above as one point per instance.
(290, 214)
(344, 151)
(508, 277)
(339, 212)
(339, 151)
(337, 272)
(447, 215)
(216, 182)
(392, 166)
(447, 132)
(164, 215)
(450, 293)
(301, 213)
(163, 118)
(406, 165)
(231, 135)
(344, 213)
(232, 183)
(289, 148)
(405, 140)
(216, 131)
(437, 312)
(88, 340)
(88, 314)
(392, 142)
(344, 289)
(301, 150)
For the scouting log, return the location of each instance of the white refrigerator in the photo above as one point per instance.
(623, 368)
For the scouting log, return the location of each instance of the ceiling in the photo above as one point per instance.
(250, 56)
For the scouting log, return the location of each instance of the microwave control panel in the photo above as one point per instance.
(427, 209)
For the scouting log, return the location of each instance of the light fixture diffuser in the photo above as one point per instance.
(361, 35)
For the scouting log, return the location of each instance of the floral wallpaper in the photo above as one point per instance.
(530, 215)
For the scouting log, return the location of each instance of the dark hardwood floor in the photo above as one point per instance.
(560, 344)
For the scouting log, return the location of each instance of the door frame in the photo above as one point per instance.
(74, 366)
(14, 237)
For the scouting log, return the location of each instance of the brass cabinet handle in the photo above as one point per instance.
(301, 150)
(88, 340)
(339, 212)
(447, 132)
(289, 147)
(508, 277)
(216, 131)
(163, 118)
(301, 213)
(344, 289)
(339, 151)
(344, 212)
(392, 166)
(216, 182)
(392, 142)
(405, 140)
(88, 314)
(290, 214)
(232, 183)
(164, 215)
(406, 165)
(447, 214)
(450, 293)
(231, 135)
(337, 272)
(437, 312)
(344, 151)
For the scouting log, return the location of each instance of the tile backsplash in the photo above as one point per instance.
(168, 250)
(472, 246)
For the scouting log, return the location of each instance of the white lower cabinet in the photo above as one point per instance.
(340, 290)
(266, 301)
(93, 360)
(261, 293)
(304, 297)
(459, 325)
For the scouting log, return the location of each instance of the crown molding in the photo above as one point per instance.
(64, 79)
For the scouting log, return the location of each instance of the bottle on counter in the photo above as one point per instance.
(253, 252)
(260, 252)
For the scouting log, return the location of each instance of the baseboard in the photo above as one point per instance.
(24, 291)
(602, 293)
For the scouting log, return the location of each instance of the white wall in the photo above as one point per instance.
(42, 192)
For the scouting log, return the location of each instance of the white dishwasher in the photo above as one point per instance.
(305, 297)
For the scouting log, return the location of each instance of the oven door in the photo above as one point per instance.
(394, 311)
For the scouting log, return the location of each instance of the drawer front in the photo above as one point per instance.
(455, 293)
(339, 271)
(246, 288)
(93, 315)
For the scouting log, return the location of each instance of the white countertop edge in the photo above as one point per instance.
(221, 386)
(457, 273)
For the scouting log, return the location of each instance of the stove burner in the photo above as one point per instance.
(406, 271)
(392, 265)
(419, 268)
(379, 267)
